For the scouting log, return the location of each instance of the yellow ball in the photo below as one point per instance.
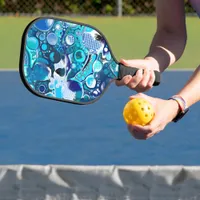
(138, 111)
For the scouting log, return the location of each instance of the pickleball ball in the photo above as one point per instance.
(138, 111)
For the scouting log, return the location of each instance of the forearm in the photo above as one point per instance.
(191, 91)
(166, 48)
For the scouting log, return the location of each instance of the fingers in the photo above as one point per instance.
(146, 132)
(133, 83)
(148, 79)
(129, 79)
(137, 135)
(124, 81)
(141, 82)
(143, 133)
(152, 79)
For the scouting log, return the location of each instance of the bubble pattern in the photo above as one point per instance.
(67, 61)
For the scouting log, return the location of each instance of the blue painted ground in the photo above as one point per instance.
(39, 131)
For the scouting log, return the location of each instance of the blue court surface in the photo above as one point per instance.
(40, 131)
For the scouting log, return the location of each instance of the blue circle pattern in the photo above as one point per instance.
(67, 61)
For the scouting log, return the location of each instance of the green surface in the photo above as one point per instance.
(129, 38)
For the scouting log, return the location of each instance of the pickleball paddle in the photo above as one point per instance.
(68, 61)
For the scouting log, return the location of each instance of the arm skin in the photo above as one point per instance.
(169, 41)
(191, 91)
(167, 46)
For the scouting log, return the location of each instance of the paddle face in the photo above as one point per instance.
(66, 61)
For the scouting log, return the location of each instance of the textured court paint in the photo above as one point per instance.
(40, 131)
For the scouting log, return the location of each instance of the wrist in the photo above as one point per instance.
(180, 101)
(182, 107)
(153, 63)
(175, 108)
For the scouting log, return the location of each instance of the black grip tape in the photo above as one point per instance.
(124, 71)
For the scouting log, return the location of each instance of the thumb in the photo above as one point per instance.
(133, 63)
(155, 122)
(150, 128)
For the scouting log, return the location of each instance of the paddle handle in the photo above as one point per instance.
(123, 71)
